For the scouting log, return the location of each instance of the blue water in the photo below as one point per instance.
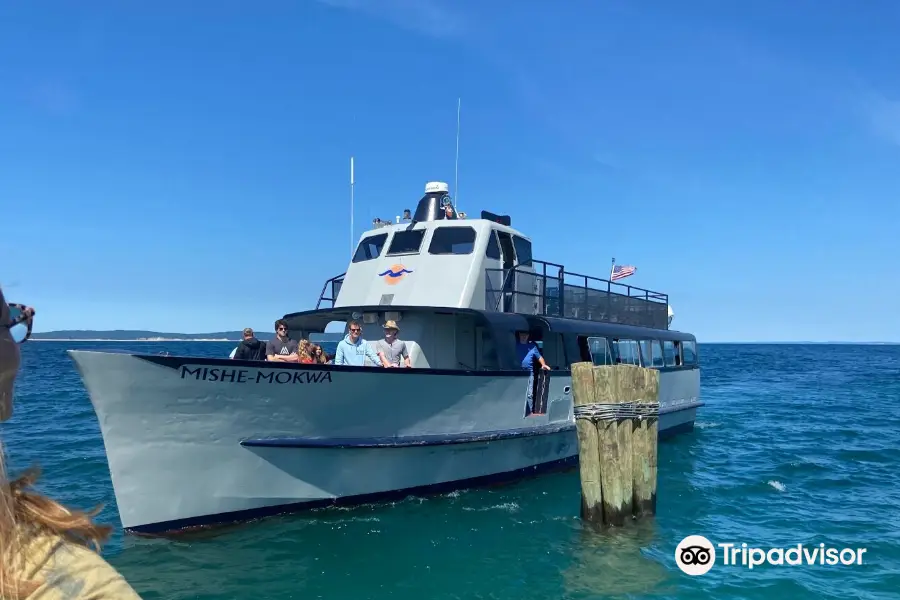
(797, 444)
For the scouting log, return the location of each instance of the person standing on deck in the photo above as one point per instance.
(528, 354)
(250, 348)
(353, 349)
(281, 348)
(392, 351)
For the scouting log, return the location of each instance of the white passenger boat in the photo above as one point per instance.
(197, 441)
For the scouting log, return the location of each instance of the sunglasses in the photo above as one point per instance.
(21, 318)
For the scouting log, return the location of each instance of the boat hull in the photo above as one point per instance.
(195, 442)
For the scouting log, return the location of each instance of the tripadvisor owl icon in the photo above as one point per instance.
(695, 555)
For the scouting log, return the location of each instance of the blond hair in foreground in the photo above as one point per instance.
(25, 514)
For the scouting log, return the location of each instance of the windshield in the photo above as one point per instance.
(406, 242)
(370, 247)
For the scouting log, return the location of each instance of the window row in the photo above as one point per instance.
(646, 353)
(446, 240)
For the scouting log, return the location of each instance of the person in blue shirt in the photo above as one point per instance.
(528, 354)
(353, 349)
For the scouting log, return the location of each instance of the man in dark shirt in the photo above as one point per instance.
(281, 348)
(250, 348)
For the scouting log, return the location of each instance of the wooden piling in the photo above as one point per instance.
(617, 445)
(588, 445)
(644, 436)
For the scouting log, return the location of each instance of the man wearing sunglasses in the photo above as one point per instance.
(281, 348)
(353, 350)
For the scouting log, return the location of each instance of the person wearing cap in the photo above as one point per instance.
(250, 348)
(392, 351)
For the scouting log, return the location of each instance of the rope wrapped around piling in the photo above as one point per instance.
(613, 412)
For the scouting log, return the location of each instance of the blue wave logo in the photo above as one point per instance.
(394, 274)
(399, 273)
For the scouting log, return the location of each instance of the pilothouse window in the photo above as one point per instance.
(370, 247)
(493, 248)
(523, 251)
(627, 352)
(452, 240)
(600, 352)
(651, 353)
(406, 242)
(689, 350)
(669, 352)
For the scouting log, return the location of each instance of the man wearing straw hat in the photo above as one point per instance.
(391, 351)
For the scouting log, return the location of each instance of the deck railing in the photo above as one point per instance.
(332, 287)
(549, 290)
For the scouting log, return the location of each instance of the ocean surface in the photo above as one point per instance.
(797, 444)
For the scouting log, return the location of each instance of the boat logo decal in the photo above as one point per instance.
(393, 275)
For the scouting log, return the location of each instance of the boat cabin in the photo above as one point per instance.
(459, 288)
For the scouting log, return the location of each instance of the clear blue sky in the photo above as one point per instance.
(186, 168)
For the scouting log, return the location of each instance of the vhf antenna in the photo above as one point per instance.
(456, 181)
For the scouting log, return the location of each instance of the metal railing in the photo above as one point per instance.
(549, 290)
(334, 284)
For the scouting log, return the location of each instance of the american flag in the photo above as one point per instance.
(621, 272)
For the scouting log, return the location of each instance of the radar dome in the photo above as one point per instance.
(671, 314)
(435, 205)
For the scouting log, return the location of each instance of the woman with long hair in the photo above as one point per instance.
(319, 355)
(47, 551)
(304, 352)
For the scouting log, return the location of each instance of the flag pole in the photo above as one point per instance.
(612, 267)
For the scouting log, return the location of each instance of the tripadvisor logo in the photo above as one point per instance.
(696, 555)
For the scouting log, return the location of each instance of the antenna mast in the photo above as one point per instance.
(352, 239)
(456, 181)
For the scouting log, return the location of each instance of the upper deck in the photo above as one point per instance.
(437, 258)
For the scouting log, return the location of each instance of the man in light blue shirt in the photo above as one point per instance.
(353, 349)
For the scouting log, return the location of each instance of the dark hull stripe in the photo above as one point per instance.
(409, 441)
(438, 439)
